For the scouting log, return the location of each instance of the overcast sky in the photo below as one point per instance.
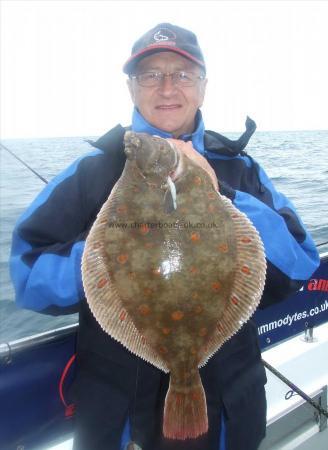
(61, 63)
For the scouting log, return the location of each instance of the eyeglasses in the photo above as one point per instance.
(180, 78)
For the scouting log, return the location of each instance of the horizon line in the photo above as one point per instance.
(96, 135)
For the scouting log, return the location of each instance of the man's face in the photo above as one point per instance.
(169, 107)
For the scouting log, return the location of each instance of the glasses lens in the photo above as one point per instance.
(185, 78)
(149, 79)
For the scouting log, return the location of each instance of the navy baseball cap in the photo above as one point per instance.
(165, 37)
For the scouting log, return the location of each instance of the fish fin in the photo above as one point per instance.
(102, 297)
(185, 412)
(248, 285)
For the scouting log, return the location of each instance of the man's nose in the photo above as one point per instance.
(168, 86)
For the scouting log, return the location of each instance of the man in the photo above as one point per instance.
(119, 396)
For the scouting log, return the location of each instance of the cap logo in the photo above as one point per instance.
(164, 34)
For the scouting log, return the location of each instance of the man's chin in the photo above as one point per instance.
(169, 128)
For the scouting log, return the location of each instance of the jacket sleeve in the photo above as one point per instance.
(290, 251)
(48, 243)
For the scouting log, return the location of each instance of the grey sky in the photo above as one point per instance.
(61, 63)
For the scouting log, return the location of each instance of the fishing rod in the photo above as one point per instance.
(296, 389)
(24, 163)
(46, 181)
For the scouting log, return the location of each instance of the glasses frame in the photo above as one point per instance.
(173, 75)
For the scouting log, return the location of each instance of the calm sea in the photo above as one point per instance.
(296, 161)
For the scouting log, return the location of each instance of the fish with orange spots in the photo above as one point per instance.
(171, 269)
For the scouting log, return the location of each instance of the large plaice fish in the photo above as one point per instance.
(171, 269)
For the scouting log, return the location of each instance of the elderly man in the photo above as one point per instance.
(119, 396)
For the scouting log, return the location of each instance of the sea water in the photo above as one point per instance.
(296, 161)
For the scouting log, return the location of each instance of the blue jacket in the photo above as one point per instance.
(49, 239)
(47, 250)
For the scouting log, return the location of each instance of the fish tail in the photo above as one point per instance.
(185, 412)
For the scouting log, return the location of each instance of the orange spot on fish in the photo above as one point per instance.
(163, 349)
(121, 209)
(132, 275)
(195, 295)
(166, 331)
(195, 236)
(245, 240)
(193, 351)
(211, 195)
(216, 286)
(211, 208)
(202, 332)
(122, 259)
(144, 309)
(246, 270)
(193, 269)
(178, 398)
(123, 315)
(234, 300)
(234, 216)
(183, 210)
(177, 315)
(223, 248)
(148, 291)
(198, 309)
(102, 283)
(144, 229)
(197, 180)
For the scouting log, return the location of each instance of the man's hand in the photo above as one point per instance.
(191, 153)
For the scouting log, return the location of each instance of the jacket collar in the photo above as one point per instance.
(210, 140)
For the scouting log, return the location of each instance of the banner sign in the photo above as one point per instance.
(307, 308)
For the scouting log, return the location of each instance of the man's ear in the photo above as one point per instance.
(202, 90)
(129, 82)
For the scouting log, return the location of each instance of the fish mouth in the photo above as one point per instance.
(176, 170)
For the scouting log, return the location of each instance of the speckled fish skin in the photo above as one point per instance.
(172, 286)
